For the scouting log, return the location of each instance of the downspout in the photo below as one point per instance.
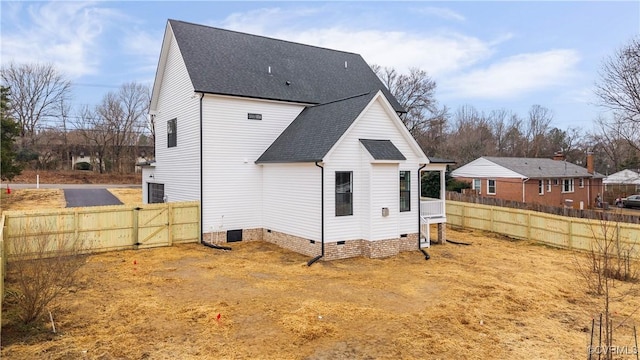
(310, 262)
(523, 187)
(426, 255)
(214, 246)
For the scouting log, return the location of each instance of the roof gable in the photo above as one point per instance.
(315, 131)
(233, 63)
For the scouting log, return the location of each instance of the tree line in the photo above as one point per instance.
(466, 133)
(40, 129)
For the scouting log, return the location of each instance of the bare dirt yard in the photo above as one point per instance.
(494, 299)
(76, 177)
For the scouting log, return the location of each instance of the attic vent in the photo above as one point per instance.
(269, 69)
(251, 116)
(345, 65)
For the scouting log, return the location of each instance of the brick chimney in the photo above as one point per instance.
(590, 168)
(558, 155)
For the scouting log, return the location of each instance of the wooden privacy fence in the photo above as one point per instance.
(598, 214)
(554, 230)
(105, 228)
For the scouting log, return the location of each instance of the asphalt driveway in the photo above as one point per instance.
(89, 197)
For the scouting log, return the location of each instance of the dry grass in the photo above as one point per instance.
(76, 177)
(30, 199)
(495, 299)
(128, 196)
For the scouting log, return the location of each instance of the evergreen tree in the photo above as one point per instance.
(9, 131)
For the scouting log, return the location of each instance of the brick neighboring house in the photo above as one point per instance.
(554, 182)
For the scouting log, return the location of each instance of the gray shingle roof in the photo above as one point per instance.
(233, 63)
(536, 168)
(382, 149)
(314, 132)
(437, 160)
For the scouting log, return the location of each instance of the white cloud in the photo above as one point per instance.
(63, 33)
(443, 13)
(514, 76)
(144, 49)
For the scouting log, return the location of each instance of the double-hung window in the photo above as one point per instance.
(477, 185)
(548, 185)
(567, 185)
(540, 187)
(491, 186)
(172, 133)
(405, 191)
(344, 193)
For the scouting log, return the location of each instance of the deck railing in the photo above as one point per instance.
(430, 208)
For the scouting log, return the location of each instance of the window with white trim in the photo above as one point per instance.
(405, 191)
(548, 185)
(172, 133)
(567, 185)
(540, 187)
(581, 182)
(477, 185)
(491, 186)
(344, 193)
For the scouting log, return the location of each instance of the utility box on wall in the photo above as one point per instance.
(385, 211)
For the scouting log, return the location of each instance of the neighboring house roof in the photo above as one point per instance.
(623, 177)
(232, 63)
(513, 167)
(382, 149)
(315, 131)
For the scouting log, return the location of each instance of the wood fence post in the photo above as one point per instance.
(134, 231)
(170, 219)
(570, 233)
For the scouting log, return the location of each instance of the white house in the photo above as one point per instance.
(292, 144)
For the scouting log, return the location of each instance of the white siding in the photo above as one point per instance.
(483, 168)
(385, 183)
(232, 144)
(178, 167)
(292, 199)
(348, 155)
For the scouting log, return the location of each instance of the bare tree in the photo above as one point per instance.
(415, 91)
(96, 133)
(471, 135)
(37, 90)
(619, 85)
(610, 260)
(536, 129)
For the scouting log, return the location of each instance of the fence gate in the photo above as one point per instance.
(151, 226)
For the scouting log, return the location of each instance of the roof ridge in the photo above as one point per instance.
(264, 37)
(343, 99)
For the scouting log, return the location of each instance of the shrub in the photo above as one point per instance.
(42, 266)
